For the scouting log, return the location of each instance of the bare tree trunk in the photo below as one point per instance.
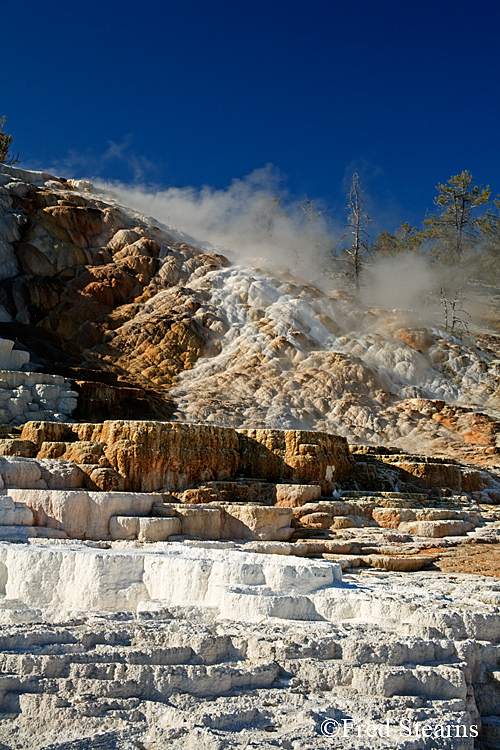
(357, 220)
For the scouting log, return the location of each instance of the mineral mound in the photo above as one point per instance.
(229, 499)
(147, 325)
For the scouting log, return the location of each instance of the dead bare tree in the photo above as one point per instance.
(454, 313)
(308, 206)
(357, 220)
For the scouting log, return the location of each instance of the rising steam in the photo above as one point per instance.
(253, 218)
(256, 222)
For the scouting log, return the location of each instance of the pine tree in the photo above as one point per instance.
(5, 141)
(489, 258)
(455, 227)
(405, 239)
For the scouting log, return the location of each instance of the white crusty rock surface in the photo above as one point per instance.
(29, 395)
(73, 576)
(126, 646)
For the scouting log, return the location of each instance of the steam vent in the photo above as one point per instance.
(236, 510)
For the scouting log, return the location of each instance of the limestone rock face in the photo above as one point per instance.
(436, 529)
(151, 456)
(21, 472)
(253, 522)
(15, 514)
(14, 447)
(102, 478)
(157, 529)
(317, 520)
(404, 564)
(10, 358)
(228, 522)
(254, 491)
(295, 495)
(293, 455)
(28, 473)
(82, 514)
(26, 394)
(373, 462)
(205, 523)
(388, 518)
(430, 474)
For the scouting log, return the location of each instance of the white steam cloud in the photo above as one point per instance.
(254, 221)
(403, 281)
(253, 218)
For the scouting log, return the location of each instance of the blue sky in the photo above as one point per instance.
(194, 93)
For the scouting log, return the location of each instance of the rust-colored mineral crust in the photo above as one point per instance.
(172, 455)
(294, 455)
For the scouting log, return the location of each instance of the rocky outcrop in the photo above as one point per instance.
(103, 395)
(419, 517)
(78, 272)
(81, 514)
(383, 468)
(255, 522)
(152, 456)
(102, 516)
(10, 358)
(217, 483)
(27, 394)
(294, 455)
(24, 394)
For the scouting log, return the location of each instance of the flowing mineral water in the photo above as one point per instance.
(282, 338)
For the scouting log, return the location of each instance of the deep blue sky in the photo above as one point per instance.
(193, 92)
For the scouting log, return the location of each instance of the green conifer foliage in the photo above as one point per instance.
(456, 226)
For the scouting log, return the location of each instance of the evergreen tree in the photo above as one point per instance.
(405, 239)
(5, 141)
(455, 227)
(490, 244)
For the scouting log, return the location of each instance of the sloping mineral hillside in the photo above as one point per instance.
(230, 501)
(146, 325)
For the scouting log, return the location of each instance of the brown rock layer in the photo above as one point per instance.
(85, 270)
(160, 455)
(294, 455)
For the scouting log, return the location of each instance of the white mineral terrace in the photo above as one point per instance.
(122, 646)
(290, 388)
(24, 395)
(240, 585)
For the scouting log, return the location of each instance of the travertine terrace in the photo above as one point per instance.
(225, 498)
(226, 609)
(218, 648)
